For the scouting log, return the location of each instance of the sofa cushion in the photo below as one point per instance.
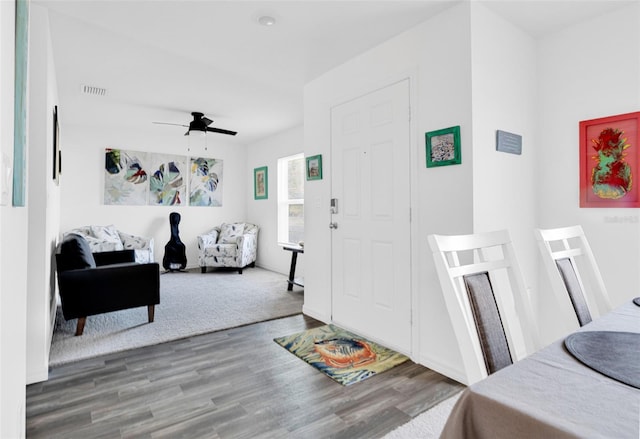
(108, 236)
(97, 245)
(229, 233)
(77, 253)
(131, 241)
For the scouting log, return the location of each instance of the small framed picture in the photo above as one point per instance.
(443, 147)
(314, 167)
(260, 183)
(57, 164)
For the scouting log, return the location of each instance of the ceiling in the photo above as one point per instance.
(160, 60)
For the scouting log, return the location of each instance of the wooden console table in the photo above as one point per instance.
(292, 271)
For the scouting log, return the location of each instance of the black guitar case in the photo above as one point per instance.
(175, 257)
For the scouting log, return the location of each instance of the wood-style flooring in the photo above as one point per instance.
(236, 383)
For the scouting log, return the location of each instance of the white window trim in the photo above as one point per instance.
(283, 201)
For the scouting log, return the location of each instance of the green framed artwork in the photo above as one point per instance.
(443, 147)
(260, 183)
(314, 167)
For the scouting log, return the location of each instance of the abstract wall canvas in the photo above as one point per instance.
(205, 182)
(167, 183)
(20, 103)
(610, 161)
(126, 178)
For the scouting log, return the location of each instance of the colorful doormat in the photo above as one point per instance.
(340, 354)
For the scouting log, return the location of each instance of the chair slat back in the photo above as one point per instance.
(491, 333)
(460, 257)
(564, 250)
(572, 283)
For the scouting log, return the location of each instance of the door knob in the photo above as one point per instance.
(333, 225)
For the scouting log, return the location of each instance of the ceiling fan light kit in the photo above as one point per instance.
(201, 124)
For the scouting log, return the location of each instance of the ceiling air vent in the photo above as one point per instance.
(93, 91)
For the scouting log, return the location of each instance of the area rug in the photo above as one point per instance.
(191, 303)
(427, 425)
(343, 356)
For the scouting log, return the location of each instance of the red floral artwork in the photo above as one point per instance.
(608, 161)
(611, 178)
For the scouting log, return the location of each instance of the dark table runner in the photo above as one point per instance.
(611, 353)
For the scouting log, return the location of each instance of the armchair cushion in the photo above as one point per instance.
(208, 239)
(221, 250)
(229, 233)
(115, 257)
(77, 253)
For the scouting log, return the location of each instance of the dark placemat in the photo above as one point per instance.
(637, 301)
(614, 354)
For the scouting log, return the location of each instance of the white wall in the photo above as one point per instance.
(82, 186)
(437, 61)
(13, 256)
(587, 71)
(504, 98)
(488, 75)
(44, 198)
(264, 213)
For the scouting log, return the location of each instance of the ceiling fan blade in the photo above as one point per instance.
(221, 131)
(207, 121)
(166, 123)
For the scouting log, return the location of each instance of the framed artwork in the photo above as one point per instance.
(167, 180)
(20, 104)
(260, 183)
(205, 182)
(443, 147)
(314, 167)
(56, 146)
(610, 161)
(126, 177)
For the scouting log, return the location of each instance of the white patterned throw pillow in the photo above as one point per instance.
(108, 237)
(229, 233)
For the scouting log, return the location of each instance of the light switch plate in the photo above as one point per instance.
(5, 179)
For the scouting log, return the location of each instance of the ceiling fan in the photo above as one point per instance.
(200, 123)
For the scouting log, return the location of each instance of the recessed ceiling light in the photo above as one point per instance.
(266, 20)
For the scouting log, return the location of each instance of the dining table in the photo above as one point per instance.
(554, 394)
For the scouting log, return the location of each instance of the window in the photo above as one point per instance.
(291, 199)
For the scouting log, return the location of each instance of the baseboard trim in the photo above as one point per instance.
(38, 376)
(442, 368)
(315, 314)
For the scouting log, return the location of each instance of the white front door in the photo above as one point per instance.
(371, 248)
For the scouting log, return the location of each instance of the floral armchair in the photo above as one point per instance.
(230, 245)
(108, 238)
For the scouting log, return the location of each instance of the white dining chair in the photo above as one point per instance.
(486, 299)
(573, 271)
